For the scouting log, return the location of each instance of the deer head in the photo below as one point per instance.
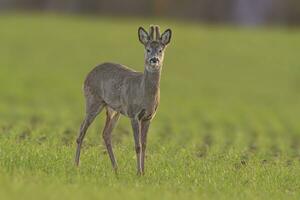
(155, 45)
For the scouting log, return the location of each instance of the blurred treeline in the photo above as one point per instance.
(249, 12)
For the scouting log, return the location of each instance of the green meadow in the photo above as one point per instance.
(227, 126)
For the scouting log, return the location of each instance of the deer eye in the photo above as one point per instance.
(160, 51)
(148, 50)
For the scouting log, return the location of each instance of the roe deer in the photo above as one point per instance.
(124, 91)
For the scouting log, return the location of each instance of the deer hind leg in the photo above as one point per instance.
(93, 108)
(112, 118)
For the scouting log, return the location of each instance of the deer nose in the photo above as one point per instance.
(154, 60)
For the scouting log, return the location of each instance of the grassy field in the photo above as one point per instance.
(227, 126)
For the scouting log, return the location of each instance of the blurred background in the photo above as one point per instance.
(243, 12)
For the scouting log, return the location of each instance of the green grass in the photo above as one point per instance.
(227, 126)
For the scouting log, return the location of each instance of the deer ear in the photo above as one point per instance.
(166, 37)
(143, 36)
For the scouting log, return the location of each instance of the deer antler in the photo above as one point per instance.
(157, 33)
(151, 32)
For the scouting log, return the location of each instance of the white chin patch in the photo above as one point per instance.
(154, 65)
(152, 68)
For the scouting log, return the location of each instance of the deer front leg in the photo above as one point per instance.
(136, 126)
(144, 130)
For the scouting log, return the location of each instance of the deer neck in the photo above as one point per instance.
(151, 84)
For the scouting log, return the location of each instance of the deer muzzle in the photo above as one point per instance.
(154, 61)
